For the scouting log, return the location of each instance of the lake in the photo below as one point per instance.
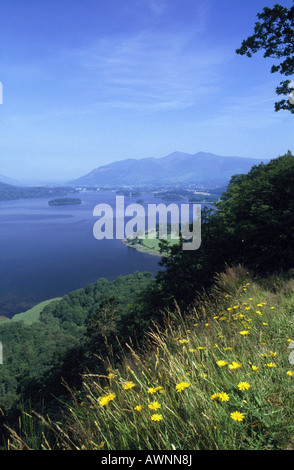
(48, 251)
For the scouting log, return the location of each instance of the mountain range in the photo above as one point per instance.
(175, 169)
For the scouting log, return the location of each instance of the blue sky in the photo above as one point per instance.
(88, 82)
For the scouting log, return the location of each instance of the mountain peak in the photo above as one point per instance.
(201, 168)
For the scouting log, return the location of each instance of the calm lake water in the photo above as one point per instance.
(47, 251)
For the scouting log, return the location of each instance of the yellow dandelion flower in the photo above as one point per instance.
(224, 396)
(181, 386)
(271, 364)
(105, 399)
(203, 375)
(244, 332)
(111, 375)
(154, 405)
(156, 417)
(215, 396)
(221, 363)
(273, 354)
(235, 365)
(237, 416)
(243, 385)
(290, 373)
(193, 350)
(255, 368)
(128, 385)
(151, 390)
(138, 408)
(183, 341)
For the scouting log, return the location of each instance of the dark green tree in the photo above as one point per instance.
(274, 34)
(253, 225)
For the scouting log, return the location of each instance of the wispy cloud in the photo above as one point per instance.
(151, 71)
(158, 7)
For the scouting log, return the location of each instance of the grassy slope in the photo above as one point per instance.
(177, 394)
(32, 315)
(151, 244)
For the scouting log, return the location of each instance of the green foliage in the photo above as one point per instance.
(37, 355)
(219, 381)
(274, 35)
(253, 224)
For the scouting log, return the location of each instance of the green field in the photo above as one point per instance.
(150, 244)
(32, 315)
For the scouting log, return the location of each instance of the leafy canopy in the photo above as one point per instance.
(274, 34)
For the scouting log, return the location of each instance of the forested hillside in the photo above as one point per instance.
(61, 343)
(94, 329)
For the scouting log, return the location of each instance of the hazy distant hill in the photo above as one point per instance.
(175, 168)
(9, 192)
(9, 180)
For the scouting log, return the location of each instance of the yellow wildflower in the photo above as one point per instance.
(224, 396)
(152, 390)
(221, 363)
(243, 385)
(111, 375)
(138, 408)
(104, 400)
(154, 405)
(215, 396)
(220, 396)
(181, 386)
(235, 365)
(128, 385)
(237, 416)
(156, 417)
(289, 372)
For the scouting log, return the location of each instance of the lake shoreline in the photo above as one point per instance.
(138, 248)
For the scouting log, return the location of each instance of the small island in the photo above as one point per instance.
(60, 201)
